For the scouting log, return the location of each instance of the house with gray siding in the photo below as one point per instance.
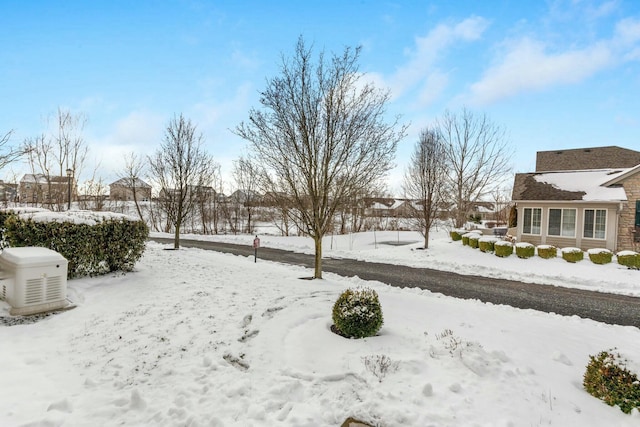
(595, 204)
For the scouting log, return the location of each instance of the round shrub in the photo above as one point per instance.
(474, 240)
(525, 250)
(547, 251)
(572, 254)
(629, 259)
(503, 248)
(486, 244)
(600, 256)
(357, 313)
(608, 379)
(456, 235)
(466, 236)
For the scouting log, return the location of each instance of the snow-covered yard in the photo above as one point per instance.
(201, 338)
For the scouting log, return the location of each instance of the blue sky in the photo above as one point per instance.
(554, 74)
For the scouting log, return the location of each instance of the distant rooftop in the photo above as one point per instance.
(586, 158)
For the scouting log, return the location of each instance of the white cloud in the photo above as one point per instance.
(527, 66)
(427, 51)
(139, 132)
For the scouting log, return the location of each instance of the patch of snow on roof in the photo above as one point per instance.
(588, 181)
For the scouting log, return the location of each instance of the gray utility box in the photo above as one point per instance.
(33, 280)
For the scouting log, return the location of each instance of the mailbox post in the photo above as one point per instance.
(256, 245)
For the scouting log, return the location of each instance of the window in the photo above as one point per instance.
(594, 223)
(562, 222)
(532, 220)
(637, 213)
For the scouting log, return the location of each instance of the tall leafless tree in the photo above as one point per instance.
(53, 154)
(478, 157)
(424, 180)
(245, 175)
(132, 172)
(321, 136)
(181, 168)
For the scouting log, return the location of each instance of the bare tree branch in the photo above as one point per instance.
(183, 170)
(424, 178)
(478, 156)
(321, 136)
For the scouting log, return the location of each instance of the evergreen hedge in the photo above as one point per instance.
(547, 251)
(629, 259)
(525, 250)
(503, 248)
(93, 243)
(572, 254)
(600, 256)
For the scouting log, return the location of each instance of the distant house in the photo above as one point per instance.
(8, 191)
(42, 189)
(123, 189)
(594, 205)
(387, 207)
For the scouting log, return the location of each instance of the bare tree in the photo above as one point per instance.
(321, 136)
(133, 170)
(180, 167)
(245, 174)
(424, 179)
(53, 155)
(478, 156)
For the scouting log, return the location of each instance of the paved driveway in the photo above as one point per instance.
(603, 307)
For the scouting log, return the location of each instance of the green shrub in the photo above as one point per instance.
(486, 244)
(547, 251)
(455, 235)
(474, 240)
(503, 248)
(608, 379)
(629, 259)
(357, 313)
(92, 243)
(572, 254)
(600, 256)
(466, 236)
(525, 250)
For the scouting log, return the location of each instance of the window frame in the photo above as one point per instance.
(562, 222)
(594, 224)
(531, 223)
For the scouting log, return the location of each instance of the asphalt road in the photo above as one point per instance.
(603, 307)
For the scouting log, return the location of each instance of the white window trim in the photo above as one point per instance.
(575, 223)
(541, 220)
(584, 217)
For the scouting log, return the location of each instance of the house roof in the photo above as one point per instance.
(42, 179)
(125, 182)
(586, 185)
(586, 158)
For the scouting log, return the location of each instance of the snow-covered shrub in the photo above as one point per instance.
(456, 235)
(525, 250)
(93, 243)
(547, 251)
(466, 236)
(486, 244)
(474, 240)
(608, 379)
(572, 254)
(600, 256)
(357, 313)
(629, 259)
(503, 248)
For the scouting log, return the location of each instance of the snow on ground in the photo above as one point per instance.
(199, 338)
(444, 254)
